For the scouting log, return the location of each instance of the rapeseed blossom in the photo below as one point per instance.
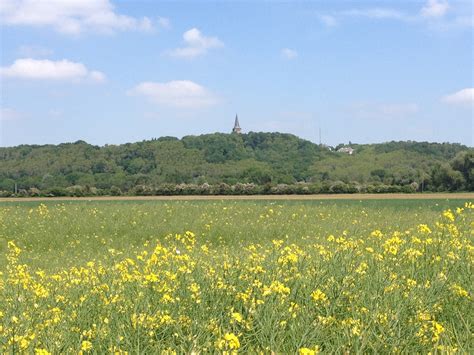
(228, 342)
(375, 288)
(86, 345)
(307, 351)
(319, 297)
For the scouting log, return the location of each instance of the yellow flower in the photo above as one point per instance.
(294, 308)
(412, 254)
(423, 228)
(307, 351)
(449, 215)
(377, 234)
(459, 291)
(430, 331)
(24, 343)
(86, 345)
(319, 297)
(411, 283)
(237, 317)
(276, 287)
(361, 270)
(230, 341)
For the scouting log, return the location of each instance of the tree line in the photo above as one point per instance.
(253, 163)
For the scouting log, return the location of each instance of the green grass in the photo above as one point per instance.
(76, 232)
(335, 275)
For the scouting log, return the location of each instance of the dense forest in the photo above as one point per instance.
(233, 164)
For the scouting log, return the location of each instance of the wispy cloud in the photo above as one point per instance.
(461, 97)
(164, 22)
(71, 16)
(433, 13)
(435, 8)
(376, 13)
(335, 18)
(43, 69)
(196, 44)
(288, 53)
(179, 93)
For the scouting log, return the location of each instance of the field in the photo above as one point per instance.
(271, 276)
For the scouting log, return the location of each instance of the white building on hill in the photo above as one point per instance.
(347, 150)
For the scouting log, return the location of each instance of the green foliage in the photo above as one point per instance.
(268, 160)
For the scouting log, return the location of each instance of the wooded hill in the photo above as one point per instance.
(233, 164)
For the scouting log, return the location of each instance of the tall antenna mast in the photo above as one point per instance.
(319, 135)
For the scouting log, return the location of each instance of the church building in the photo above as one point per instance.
(237, 128)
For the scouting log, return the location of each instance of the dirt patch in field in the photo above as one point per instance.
(442, 196)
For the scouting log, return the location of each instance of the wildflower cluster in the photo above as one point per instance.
(380, 290)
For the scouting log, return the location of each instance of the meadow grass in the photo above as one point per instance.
(250, 276)
(74, 232)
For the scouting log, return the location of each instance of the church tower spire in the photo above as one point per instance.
(237, 128)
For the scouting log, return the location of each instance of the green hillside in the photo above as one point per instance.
(233, 163)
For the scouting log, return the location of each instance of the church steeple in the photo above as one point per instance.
(237, 128)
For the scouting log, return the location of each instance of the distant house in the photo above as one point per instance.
(347, 150)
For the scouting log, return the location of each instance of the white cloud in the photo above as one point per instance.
(196, 44)
(288, 53)
(44, 69)
(384, 110)
(164, 22)
(70, 16)
(462, 97)
(432, 13)
(376, 13)
(435, 8)
(178, 93)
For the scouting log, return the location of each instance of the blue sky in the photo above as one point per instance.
(111, 72)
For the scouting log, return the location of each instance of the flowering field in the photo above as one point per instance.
(227, 276)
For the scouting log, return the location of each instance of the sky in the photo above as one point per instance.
(111, 72)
